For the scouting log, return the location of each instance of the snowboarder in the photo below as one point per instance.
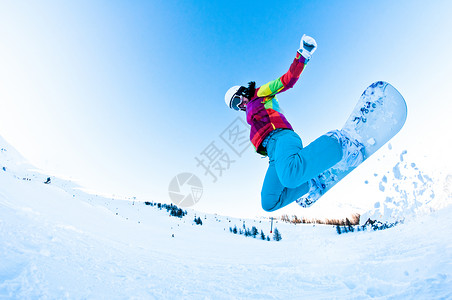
(292, 170)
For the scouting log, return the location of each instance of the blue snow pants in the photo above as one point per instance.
(292, 166)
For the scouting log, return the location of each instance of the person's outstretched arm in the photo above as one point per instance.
(288, 80)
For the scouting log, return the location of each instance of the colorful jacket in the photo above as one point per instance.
(263, 112)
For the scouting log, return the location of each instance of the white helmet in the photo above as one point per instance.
(229, 96)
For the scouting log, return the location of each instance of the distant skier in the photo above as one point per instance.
(292, 170)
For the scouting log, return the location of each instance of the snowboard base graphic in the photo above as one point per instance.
(379, 115)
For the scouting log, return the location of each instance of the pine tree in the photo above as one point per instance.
(198, 221)
(277, 236)
(349, 225)
(254, 232)
(262, 235)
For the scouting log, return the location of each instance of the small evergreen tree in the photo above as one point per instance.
(198, 221)
(349, 225)
(262, 235)
(277, 236)
(254, 232)
(234, 231)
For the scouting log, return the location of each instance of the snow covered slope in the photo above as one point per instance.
(59, 242)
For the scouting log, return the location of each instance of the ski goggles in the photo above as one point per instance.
(235, 102)
(236, 99)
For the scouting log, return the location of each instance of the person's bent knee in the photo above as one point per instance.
(269, 202)
(291, 180)
(291, 171)
(268, 209)
(291, 183)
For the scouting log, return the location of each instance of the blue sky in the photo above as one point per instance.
(122, 96)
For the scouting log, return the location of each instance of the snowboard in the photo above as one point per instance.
(378, 116)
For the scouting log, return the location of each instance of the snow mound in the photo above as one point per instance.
(410, 192)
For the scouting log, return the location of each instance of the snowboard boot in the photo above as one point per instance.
(316, 188)
(352, 150)
(352, 156)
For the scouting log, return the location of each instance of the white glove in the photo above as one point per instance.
(307, 47)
